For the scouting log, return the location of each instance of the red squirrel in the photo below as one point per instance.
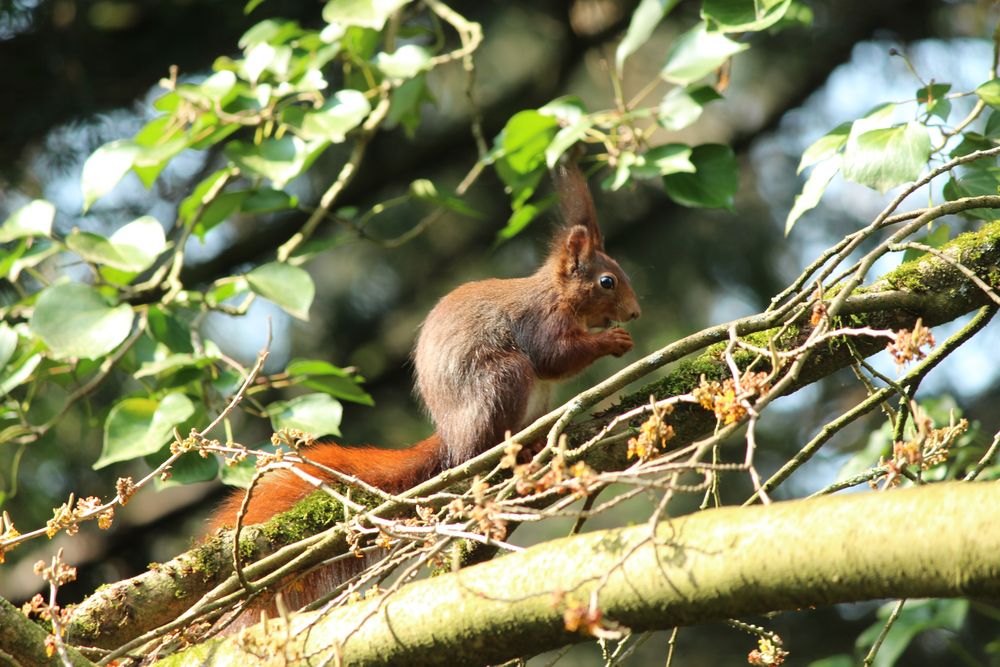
(485, 358)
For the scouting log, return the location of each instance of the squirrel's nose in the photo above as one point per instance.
(634, 313)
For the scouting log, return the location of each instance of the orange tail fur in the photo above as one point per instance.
(392, 470)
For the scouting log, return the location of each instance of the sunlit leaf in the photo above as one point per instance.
(105, 167)
(405, 62)
(341, 113)
(317, 414)
(645, 18)
(682, 106)
(663, 160)
(883, 159)
(133, 248)
(989, 92)
(139, 426)
(825, 147)
(287, 286)
(74, 320)
(32, 219)
(566, 138)
(280, 160)
(525, 138)
(698, 53)
(744, 15)
(8, 343)
(363, 13)
(813, 190)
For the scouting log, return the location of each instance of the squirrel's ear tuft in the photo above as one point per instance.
(575, 199)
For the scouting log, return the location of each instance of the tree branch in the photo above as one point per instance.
(706, 566)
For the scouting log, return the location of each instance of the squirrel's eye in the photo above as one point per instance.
(606, 281)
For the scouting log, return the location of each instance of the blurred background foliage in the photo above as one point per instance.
(78, 74)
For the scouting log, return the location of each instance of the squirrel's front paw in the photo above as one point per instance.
(619, 341)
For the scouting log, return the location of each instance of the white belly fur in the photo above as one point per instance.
(538, 401)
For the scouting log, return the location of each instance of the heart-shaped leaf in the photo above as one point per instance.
(139, 426)
(317, 414)
(287, 286)
(75, 320)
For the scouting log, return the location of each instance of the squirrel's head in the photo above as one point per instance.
(591, 282)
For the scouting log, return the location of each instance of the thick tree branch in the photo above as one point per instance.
(707, 566)
(22, 642)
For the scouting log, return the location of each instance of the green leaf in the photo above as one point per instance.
(813, 190)
(663, 160)
(190, 468)
(645, 18)
(329, 379)
(75, 320)
(168, 329)
(304, 367)
(405, 62)
(341, 113)
(226, 288)
(132, 248)
(240, 474)
(218, 211)
(19, 370)
(140, 426)
(406, 102)
(525, 138)
(218, 86)
(992, 130)
(744, 15)
(566, 138)
(681, 107)
(32, 219)
(883, 159)
(523, 215)
(972, 142)
(25, 257)
(173, 362)
(567, 109)
(825, 147)
(989, 93)
(268, 200)
(275, 31)
(714, 182)
(364, 13)
(933, 97)
(8, 343)
(972, 183)
(189, 205)
(698, 53)
(280, 160)
(105, 167)
(425, 190)
(287, 286)
(264, 57)
(317, 414)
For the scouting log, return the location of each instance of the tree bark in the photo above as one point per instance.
(939, 540)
